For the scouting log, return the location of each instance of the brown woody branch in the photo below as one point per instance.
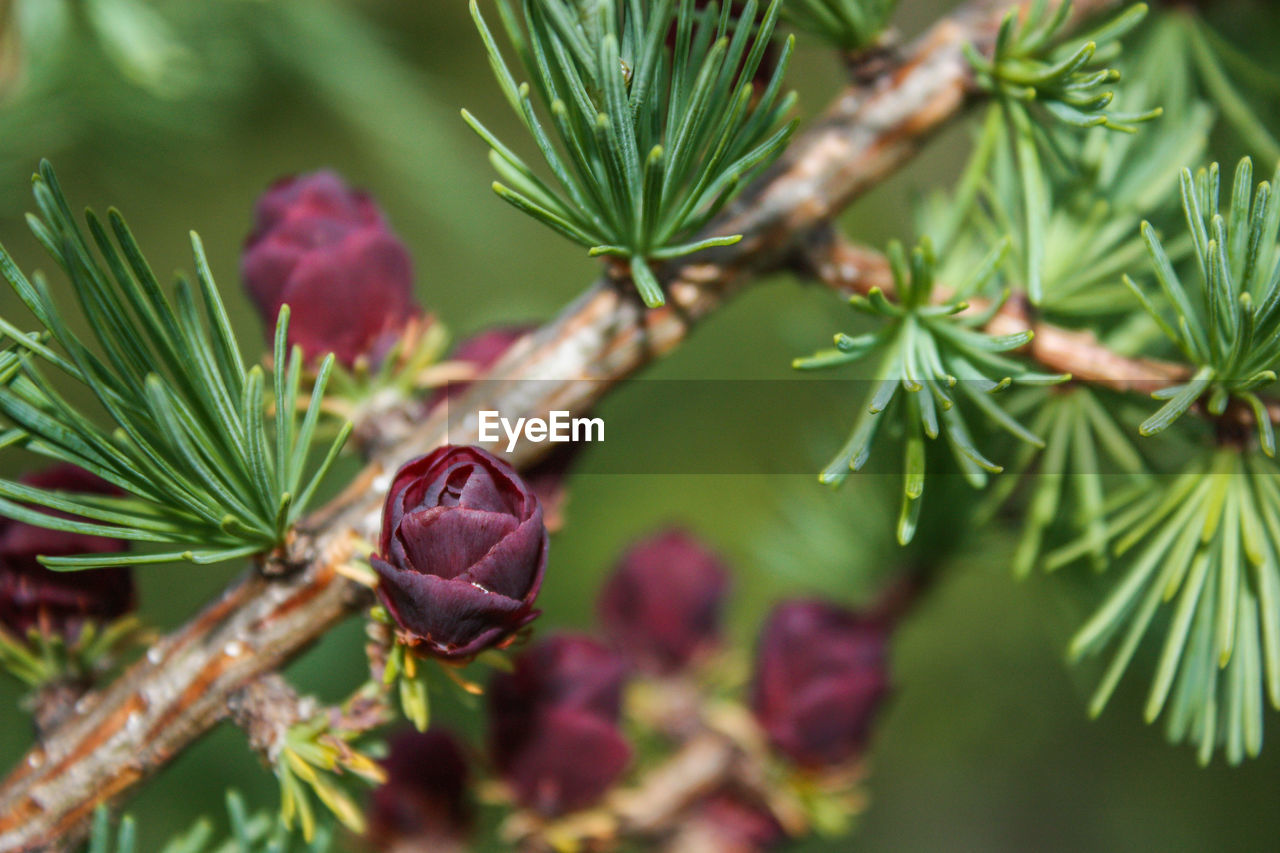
(848, 268)
(182, 687)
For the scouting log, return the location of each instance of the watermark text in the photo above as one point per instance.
(560, 426)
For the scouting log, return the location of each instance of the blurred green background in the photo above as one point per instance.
(184, 119)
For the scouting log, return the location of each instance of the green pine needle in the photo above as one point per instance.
(1089, 237)
(256, 833)
(939, 357)
(1205, 549)
(656, 121)
(40, 658)
(1211, 55)
(1228, 323)
(1071, 82)
(211, 467)
(1069, 477)
(1044, 94)
(314, 756)
(848, 24)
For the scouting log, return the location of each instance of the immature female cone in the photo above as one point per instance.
(328, 253)
(728, 821)
(462, 552)
(821, 676)
(662, 605)
(423, 804)
(57, 604)
(553, 733)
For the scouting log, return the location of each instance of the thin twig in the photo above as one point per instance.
(848, 268)
(266, 708)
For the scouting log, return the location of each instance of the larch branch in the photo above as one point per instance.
(848, 268)
(180, 689)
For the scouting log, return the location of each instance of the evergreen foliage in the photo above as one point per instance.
(207, 461)
(656, 120)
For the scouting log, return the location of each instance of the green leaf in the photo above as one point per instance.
(209, 465)
(1234, 346)
(846, 24)
(649, 143)
(926, 349)
(1070, 83)
(1209, 546)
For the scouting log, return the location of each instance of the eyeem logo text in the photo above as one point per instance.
(561, 426)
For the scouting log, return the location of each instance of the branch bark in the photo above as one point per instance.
(180, 689)
(849, 268)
